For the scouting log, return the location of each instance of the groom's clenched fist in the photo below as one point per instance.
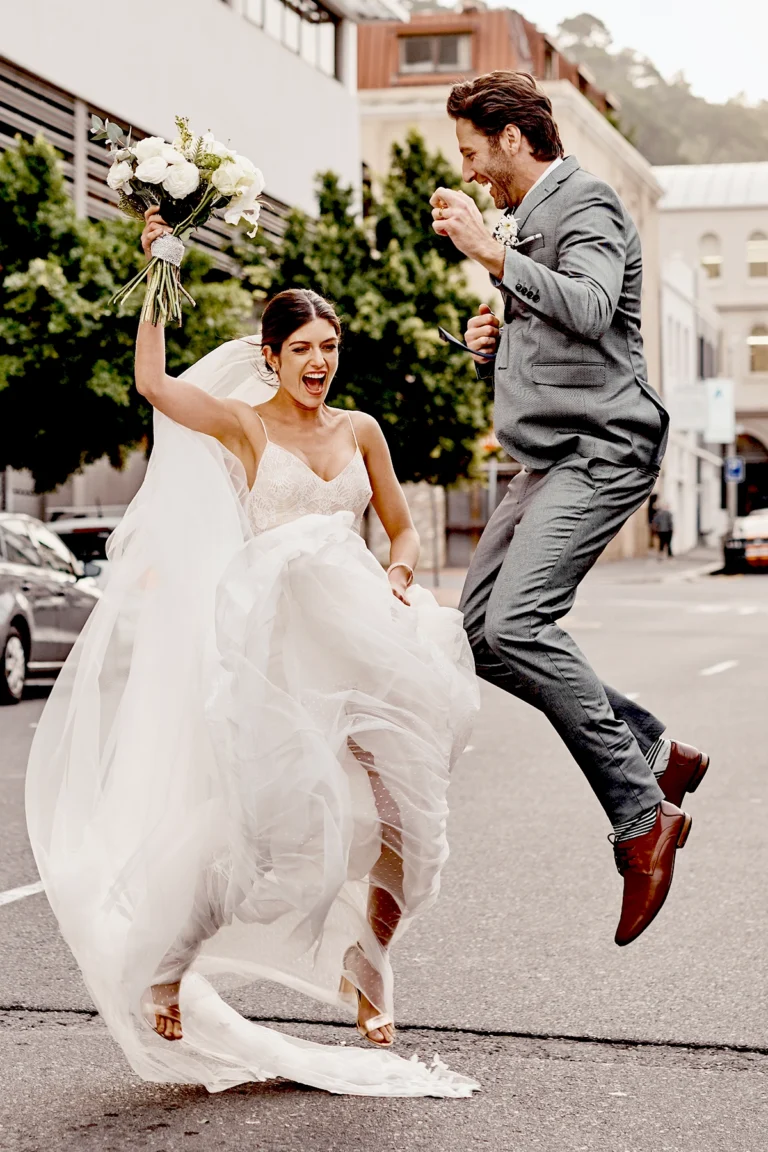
(482, 334)
(456, 215)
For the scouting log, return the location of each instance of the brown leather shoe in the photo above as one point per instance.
(647, 864)
(685, 771)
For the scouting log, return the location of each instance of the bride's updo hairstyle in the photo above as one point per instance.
(290, 310)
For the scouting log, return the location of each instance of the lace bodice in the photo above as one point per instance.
(286, 488)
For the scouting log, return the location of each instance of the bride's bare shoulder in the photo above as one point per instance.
(365, 425)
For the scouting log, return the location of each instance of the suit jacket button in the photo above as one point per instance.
(518, 287)
(536, 298)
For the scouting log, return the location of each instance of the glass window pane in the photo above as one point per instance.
(254, 10)
(417, 53)
(709, 255)
(19, 549)
(757, 254)
(291, 30)
(273, 18)
(758, 348)
(309, 40)
(447, 51)
(453, 53)
(54, 552)
(327, 48)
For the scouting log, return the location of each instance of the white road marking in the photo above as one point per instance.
(716, 669)
(20, 893)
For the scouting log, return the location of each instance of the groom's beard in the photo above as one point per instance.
(499, 176)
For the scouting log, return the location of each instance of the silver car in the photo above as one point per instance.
(46, 596)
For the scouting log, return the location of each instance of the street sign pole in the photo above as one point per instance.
(734, 471)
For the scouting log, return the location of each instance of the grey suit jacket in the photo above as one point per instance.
(570, 375)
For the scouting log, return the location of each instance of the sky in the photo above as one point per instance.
(722, 48)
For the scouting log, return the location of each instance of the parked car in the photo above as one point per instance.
(46, 596)
(747, 544)
(86, 537)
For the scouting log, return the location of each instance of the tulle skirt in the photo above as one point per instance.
(235, 757)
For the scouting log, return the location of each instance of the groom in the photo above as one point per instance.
(574, 406)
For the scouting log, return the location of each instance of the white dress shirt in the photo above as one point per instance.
(550, 168)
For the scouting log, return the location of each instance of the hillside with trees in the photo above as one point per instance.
(663, 118)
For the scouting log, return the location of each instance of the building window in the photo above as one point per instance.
(757, 254)
(709, 256)
(303, 26)
(758, 348)
(550, 62)
(446, 53)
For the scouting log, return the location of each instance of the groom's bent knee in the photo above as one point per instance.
(507, 634)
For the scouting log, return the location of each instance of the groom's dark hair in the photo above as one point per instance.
(492, 101)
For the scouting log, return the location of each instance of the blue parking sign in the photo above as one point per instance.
(735, 469)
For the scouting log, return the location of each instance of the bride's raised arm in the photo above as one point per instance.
(182, 401)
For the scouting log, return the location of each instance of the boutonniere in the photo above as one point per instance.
(506, 232)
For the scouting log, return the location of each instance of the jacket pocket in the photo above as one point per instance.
(570, 375)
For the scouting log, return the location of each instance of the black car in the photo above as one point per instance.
(46, 596)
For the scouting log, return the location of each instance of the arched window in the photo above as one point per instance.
(758, 348)
(757, 254)
(709, 255)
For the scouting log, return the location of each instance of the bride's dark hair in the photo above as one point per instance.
(290, 310)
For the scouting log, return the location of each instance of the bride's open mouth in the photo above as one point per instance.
(314, 382)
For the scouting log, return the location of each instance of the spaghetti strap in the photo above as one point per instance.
(264, 427)
(354, 434)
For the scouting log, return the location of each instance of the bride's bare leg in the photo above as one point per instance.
(165, 1008)
(162, 1004)
(385, 894)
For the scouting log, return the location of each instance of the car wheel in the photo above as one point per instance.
(13, 668)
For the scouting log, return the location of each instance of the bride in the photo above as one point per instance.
(241, 772)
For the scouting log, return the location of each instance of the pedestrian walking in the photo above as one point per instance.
(664, 526)
(574, 406)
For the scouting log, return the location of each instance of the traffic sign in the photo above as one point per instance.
(735, 469)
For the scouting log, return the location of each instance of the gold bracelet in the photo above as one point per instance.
(402, 564)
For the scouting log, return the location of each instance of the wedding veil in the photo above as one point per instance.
(125, 798)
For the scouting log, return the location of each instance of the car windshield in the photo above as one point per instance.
(87, 544)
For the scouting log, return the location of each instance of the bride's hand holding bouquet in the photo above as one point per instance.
(186, 182)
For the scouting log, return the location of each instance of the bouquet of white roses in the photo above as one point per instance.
(189, 180)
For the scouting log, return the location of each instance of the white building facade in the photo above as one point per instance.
(716, 217)
(691, 480)
(276, 79)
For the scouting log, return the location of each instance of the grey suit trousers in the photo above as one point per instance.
(546, 534)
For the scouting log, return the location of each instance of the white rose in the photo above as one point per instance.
(172, 155)
(146, 149)
(119, 175)
(181, 180)
(152, 171)
(227, 177)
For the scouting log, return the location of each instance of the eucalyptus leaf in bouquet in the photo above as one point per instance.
(189, 180)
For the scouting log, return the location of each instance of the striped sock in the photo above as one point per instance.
(637, 826)
(658, 756)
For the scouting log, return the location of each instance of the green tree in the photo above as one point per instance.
(393, 282)
(66, 359)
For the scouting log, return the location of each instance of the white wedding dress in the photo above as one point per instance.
(250, 731)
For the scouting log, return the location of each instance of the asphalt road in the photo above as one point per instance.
(514, 977)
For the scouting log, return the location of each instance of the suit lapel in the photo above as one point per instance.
(550, 184)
